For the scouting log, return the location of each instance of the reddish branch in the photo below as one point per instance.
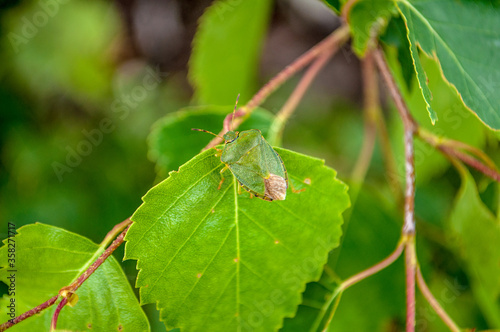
(29, 313)
(81, 279)
(53, 324)
(434, 303)
(410, 128)
(76, 284)
(335, 39)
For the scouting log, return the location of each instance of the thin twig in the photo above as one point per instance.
(408, 231)
(394, 91)
(78, 282)
(278, 125)
(375, 268)
(471, 161)
(410, 265)
(336, 38)
(53, 324)
(29, 313)
(346, 9)
(354, 280)
(452, 148)
(115, 231)
(434, 303)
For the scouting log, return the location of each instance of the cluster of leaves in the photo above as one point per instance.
(217, 260)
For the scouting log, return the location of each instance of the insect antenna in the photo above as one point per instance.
(206, 131)
(234, 111)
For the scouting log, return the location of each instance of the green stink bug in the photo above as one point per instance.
(254, 163)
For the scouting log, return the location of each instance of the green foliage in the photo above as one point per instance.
(476, 235)
(226, 48)
(367, 20)
(456, 122)
(464, 39)
(228, 261)
(48, 258)
(334, 4)
(372, 234)
(217, 260)
(79, 31)
(395, 35)
(169, 152)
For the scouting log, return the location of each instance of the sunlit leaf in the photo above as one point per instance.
(216, 260)
(48, 258)
(367, 20)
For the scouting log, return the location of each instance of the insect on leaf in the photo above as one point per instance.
(217, 260)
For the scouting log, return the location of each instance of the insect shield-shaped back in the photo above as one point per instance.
(257, 167)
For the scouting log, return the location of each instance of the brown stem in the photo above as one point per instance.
(473, 150)
(78, 282)
(53, 325)
(382, 65)
(347, 8)
(434, 303)
(29, 313)
(276, 130)
(410, 264)
(91, 269)
(115, 231)
(354, 280)
(451, 149)
(375, 268)
(335, 39)
(471, 161)
(410, 128)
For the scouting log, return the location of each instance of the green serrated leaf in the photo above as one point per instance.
(476, 237)
(463, 36)
(216, 260)
(395, 34)
(372, 234)
(226, 48)
(48, 258)
(368, 19)
(169, 152)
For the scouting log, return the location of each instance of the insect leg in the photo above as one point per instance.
(222, 176)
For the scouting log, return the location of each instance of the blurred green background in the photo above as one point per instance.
(82, 83)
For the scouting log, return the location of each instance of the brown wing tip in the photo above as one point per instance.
(275, 187)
